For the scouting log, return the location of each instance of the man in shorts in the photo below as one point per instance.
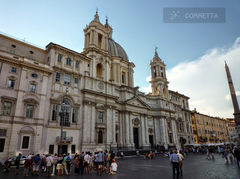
(17, 162)
(36, 162)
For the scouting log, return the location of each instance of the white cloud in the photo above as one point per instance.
(204, 80)
(228, 96)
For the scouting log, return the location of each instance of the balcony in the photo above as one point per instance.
(65, 123)
(64, 139)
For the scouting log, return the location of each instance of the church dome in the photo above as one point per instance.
(114, 49)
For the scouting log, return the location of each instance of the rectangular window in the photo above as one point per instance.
(64, 135)
(57, 77)
(76, 82)
(198, 121)
(77, 64)
(51, 149)
(11, 51)
(25, 142)
(14, 70)
(199, 131)
(29, 113)
(32, 88)
(205, 131)
(7, 108)
(3, 132)
(11, 84)
(100, 117)
(67, 79)
(54, 112)
(73, 149)
(123, 77)
(2, 143)
(74, 115)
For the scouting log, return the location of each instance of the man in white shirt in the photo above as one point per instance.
(86, 162)
(49, 162)
(174, 162)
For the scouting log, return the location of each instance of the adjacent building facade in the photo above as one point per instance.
(103, 108)
(208, 129)
(231, 125)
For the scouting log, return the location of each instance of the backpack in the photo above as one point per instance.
(17, 160)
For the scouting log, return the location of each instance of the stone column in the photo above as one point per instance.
(86, 119)
(120, 128)
(159, 71)
(103, 43)
(156, 130)
(113, 126)
(91, 37)
(131, 130)
(127, 128)
(93, 66)
(174, 130)
(152, 74)
(146, 130)
(143, 129)
(93, 131)
(109, 125)
(107, 70)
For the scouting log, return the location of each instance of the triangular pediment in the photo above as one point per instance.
(136, 101)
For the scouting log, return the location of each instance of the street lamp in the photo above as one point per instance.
(62, 114)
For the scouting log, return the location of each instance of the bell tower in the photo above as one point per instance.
(96, 34)
(159, 83)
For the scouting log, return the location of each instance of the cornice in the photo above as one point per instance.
(57, 68)
(22, 123)
(24, 64)
(66, 50)
(99, 94)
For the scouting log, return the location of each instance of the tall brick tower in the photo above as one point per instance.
(234, 97)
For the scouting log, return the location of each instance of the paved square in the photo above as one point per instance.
(194, 167)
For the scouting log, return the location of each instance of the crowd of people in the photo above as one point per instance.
(104, 162)
(62, 164)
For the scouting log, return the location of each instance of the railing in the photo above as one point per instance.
(23, 40)
(64, 123)
(64, 139)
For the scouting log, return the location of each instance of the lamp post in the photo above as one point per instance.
(62, 114)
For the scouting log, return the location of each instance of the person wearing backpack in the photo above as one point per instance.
(17, 162)
(68, 161)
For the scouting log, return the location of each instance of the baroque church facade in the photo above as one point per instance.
(103, 108)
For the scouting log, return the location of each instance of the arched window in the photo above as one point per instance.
(99, 69)
(68, 62)
(65, 108)
(154, 72)
(100, 137)
(59, 58)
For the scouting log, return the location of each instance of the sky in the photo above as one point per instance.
(194, 53)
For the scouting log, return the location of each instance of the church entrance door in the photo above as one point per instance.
(135, 137)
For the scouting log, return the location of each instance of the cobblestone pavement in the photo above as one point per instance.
(194, 167)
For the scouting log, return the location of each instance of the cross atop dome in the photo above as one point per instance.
(156, 53)
(96, 16)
